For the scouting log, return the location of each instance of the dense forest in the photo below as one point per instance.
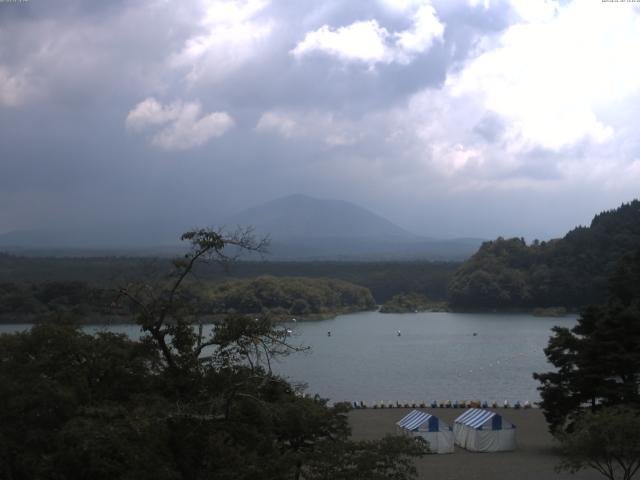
(569, 272)
(279, 297)
(384, 279)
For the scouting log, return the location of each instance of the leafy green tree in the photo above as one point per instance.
(178, 404)
(607, 441)
(597, 361)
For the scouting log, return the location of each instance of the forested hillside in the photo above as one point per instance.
(570, 272)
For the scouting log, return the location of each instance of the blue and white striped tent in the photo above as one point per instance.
(480, 430)
(430, 428)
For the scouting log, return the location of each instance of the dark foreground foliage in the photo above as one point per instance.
(178, 404)
(598, 360)
(607, 441)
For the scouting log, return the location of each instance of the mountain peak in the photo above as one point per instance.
(302, 216)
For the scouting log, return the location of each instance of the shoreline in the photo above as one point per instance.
(534, 459)
(105, 320)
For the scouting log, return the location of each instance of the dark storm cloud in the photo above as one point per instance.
(401, 137)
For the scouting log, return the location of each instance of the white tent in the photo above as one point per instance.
(430, 428)
(481, 430)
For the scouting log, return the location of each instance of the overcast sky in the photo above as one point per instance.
(449, 117)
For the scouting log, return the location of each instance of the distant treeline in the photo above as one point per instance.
(412, 303)
(383, 279)
(570, 272)
(278, 297)
(281, 296)
(40, 301)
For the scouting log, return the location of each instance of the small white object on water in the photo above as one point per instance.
(399, 333)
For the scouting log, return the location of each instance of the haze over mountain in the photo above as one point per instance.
(301, 216)
(300, 228)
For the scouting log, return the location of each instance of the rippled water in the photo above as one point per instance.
(436, 357)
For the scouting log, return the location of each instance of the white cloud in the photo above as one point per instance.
(178, 126)
(370, 43)
(547, 76)
(425, 30)
(229, 35)
(485, 3)
(535, 10)
(402, 6)
(363, 41)
(15, 88)
(326, 127)
(279, 122)
(548, 102)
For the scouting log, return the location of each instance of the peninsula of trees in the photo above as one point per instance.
(277, 297)
(285, 296)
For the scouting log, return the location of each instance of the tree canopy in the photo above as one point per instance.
(178, 404)
(597, 361)
(607, 441)
(569, 272)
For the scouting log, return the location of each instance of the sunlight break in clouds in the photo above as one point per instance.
(229, 35)
(179, 126)
(545, 77)
(536, 104)
(370, 43)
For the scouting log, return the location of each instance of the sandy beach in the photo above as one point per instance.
(534, 458)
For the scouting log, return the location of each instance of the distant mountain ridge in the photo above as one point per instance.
(307, 228)
(301, 216)
(300, 227)
(571, 272)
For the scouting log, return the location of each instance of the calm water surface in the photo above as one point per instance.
(436, 357)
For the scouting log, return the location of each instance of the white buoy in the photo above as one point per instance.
(399, 334)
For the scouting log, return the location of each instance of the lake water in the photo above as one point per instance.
(437, 357)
